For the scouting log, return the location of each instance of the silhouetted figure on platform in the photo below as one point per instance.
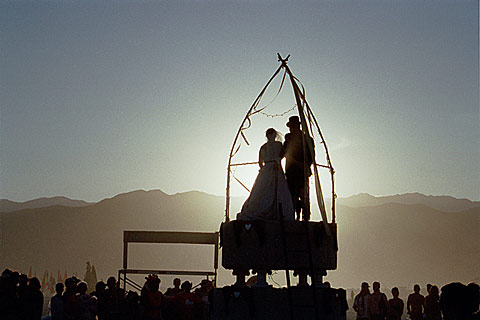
(378, 304)
(297, 167)
(99, 294)
(87, 305)
(361, 302)
(176, 288)
(56, 303)
(395, 306)
(270, 190)
(152, 299)
(34, 305)
(432, 305)
(416, 304)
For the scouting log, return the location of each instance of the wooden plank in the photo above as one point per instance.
(168, 272)
(170, 237)
(259, 247)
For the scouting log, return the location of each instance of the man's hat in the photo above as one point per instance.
(293, 120)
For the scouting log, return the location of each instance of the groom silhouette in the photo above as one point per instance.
(297, 167)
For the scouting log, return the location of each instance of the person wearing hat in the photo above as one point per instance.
(361, 302)
(298, 162)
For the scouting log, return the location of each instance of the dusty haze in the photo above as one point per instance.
(388, 239)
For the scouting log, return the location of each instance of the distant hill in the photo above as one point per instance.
(400, 244)
(64, 238)
(9, 206)
(394, 243)
(442, 203)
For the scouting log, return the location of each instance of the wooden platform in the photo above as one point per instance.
(272, 303)
(258, 245)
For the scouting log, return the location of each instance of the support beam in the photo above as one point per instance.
(170, 237)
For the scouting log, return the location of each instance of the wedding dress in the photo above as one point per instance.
(270, 190)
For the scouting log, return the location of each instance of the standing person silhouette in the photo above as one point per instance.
(416, 304)
(297, 167)
(152, 299)
(187, 302)
(87, 305)
(378, 303)
(432, 304)
(270, 190)
(56, 303)
(361, 302)
(176, 288)
(395, 306)
(34, 304)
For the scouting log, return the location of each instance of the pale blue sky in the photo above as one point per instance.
(103, 97)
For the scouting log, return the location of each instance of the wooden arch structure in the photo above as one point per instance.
(309, 125)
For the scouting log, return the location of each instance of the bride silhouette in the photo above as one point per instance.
(270, 189)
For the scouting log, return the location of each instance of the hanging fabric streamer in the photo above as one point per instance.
(318, 188)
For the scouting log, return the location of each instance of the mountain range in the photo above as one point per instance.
(9, 206)
(397, 240)
(441, 203)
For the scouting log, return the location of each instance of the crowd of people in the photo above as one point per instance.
(22, 299)
(456, 302)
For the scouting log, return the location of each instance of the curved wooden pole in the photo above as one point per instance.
(232, 150)
(329, 162)
(300, 97)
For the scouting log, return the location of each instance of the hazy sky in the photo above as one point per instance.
(103, 97)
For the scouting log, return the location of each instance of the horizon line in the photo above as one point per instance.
(234, 196)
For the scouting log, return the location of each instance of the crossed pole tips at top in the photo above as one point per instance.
(284, 61)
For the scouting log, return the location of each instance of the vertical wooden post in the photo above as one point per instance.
(125, 260)
(215, 261)
(125, 251)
